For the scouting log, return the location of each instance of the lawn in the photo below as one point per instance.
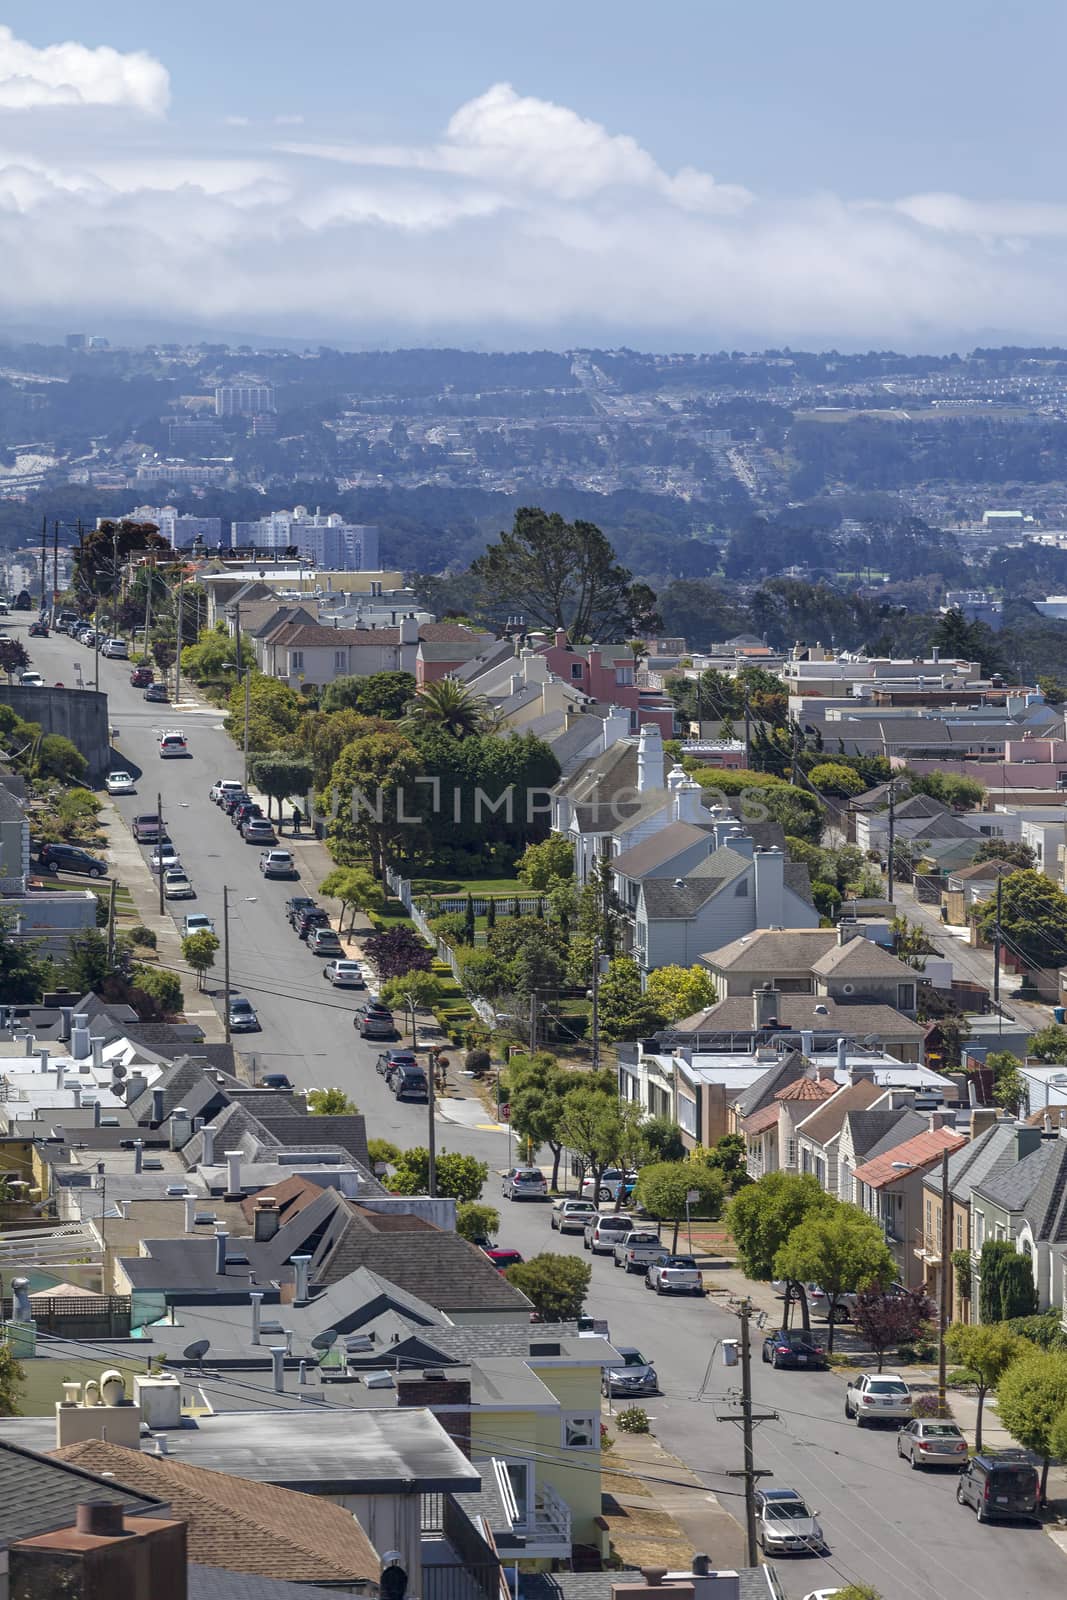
(445, 885)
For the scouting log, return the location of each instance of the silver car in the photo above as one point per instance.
(570, 1215)
(785, 1526)
(634, 1376)
(926, 1443)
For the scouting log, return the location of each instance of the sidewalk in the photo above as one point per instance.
(661, 1514)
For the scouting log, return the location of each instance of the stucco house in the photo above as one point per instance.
(889, 1188)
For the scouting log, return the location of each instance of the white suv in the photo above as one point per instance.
(223, 786)
(570, 1215)
(603, 1232)
(524, 1183)
(115, 648)
(172, 743)
(877, 1397)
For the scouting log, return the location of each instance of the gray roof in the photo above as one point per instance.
(907, 1125)
(232, 1125)
(1047, 1210)
(468, 1342)
(440, 1268)
(38, 1495)
(875, 1130)
(773, 950)
(991, 1153)
(667, 898)
(215, 1583)
(660, 847)
(862, 958)
(786, 1070)
(1014, 1189)
(734, 1015)
(755, 1583)
(293, 1130)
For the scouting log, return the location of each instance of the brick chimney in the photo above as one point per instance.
(104, 1555)
(433, 1389)
(267, 1218)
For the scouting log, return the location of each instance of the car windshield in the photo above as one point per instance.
(634, 1358)
(887, 1386)
(794, 1338)
(682, 1261)
(786, 1510)
(240, 1005)
(940, 1430)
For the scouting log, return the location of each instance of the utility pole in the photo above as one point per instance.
(431, 1128)
(111, 923)
(533, 1022)
(996, 947)
(892, 837)
(226, 958)
(248, 696)
(178, 640)
(748, 729)
(596, 1003)
(237, 635)
(44, 558)
(747, 1417)
(159, 847)
(946, 1265)
(55, 563)
(150, 576)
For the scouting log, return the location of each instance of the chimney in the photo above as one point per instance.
(446, 1394)
(941, 1118)
(65, 1014)
(807, 1042)
(409, 630)
(233, 1177)
(255, 1300)
(277, 1356)
(221, 1238)
(765, 1003)
(649, 759)
(79, 1037)
(266, 1219)
(96, 1112)
(189, 1202)
(60, 1073)
(687, 802)
(616, 727)
(21, 1309)
(181, 1127)
(96, 1045)
(300, 1265)
(1027, 1139)
(842, 1055)
(847, 930)
(157, 1107)
(42, 1060)
(207, 1133)
(104, 1553)
(770, 888)
(982, 1118)
(138, 1154)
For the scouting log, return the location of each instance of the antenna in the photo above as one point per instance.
(197, 1351)
(325, 1340)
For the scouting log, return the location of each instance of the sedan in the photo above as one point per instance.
(610, 1180)
(38, 630)
(571, 1216)
(157, 693)
(931, 1444)
(164, 856)
(524, 1183)
(120, 783)
(503, 1259)
(257, 830)
(243, 1017)
(344, 974)
(792, 1347)
(279, 864)
(785, 1526)
(634, 1376)
(176, 886)
(324, 942)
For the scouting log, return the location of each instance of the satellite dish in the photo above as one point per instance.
(324, 1340)
(118, 1070)
(197, 1351)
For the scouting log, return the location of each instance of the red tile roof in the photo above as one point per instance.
(766, 1117)
(914, 1154)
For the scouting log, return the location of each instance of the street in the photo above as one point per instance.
(885, 1524)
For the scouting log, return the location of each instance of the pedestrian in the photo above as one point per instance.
(296, 819)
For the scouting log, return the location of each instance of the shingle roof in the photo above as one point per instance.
(827, 1120)
(664, 898)
(992, 1152)
(862, 958)
(773, 950)
(457, 650)
(760, 1121)
(810, 1089)
(797, 1011)
(789, 1065)
(1013, 1190)
(662, 846)
(238, 1523)
(877, 1129)
(985, 870)
(1047, 1210)
(440, 1268)
(350, 1132)
(306, 635)
(38, 1494)
(212, 1583)
(914, 1154)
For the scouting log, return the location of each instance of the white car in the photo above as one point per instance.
(878, 1397)
(277, 864)
(120, 783)
(31, 680)
(675, 1275)
(164, 857)
(173, 743)
(524, 1183)
(115, 648)
(344, 974)
(570, 1215)
(197, 922)
(176, 886)
(223, 786)
(785, 1526)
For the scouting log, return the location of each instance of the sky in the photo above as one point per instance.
(686, 175)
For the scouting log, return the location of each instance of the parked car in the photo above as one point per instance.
(223, 786)
(570, 1215)
(878, 1397)
(344, 974)
(634, 1376)
(637, 1251)
(229, 798)
(311, 918)
(324, 942)
(245, 809)
(408, 1081)
(503, 1259)
(603, 1231)
(375, 1025)
(524, 1183)
(1000, 1484)
(610, 1180)
(115, 649)
(173, 744)
(296, 904)
(388, 1059)
(176, 886)
(277, 864)
(792, 1347)
(275, 1080)
(675, 1275)
(243, 1017)
(163, 856)
(38, 630)
(146, 827)
(157, 693)
(926, 1443)
(120, 783)
(785, 1526)
(257, 830)
(31, 680)
(197, 922)
(55, 858)
(141, 677)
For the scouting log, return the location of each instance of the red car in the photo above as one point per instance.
(141, 677)
(503, 1259)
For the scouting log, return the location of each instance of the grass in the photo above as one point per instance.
(455, 886)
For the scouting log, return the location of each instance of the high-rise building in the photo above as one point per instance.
(243, 399)
(326, 540)
(178, 528)
(75, 341)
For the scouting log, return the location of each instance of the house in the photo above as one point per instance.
(28, 911)
(999, 1203)
(888, 1187)
(771, 1132)
(818, 1135)
(966, 887)
(857, 971)
(607, 672)
(782, 957)
(300, 653)
(804, 1021)
(867, 1134)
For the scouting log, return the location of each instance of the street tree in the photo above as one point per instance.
(663, 1139)
(841, 1250)
(537, 1087)
(13, 656)
(887, 1320)
(459, 1177)
(370, 782)
(356, 889)
(562, 575)
(331, 1102)
(677, 992)
(662, 1189)
(198, 950)
(415, 991)
(1033, 917)
(476, 1221)
(1031, 1400)
(280, 775)
(833, 777)
(1049, 1044)
(555, 1285)
(274, 712)
(591, 1127)
(396, 952)
(986, 1349)
(763, 1215)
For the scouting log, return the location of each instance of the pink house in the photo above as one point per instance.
(1027, 771)
(607, 672)
(444, 647)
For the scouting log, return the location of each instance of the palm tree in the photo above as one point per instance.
(448, 705)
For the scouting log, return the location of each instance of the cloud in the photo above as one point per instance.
(288, 119)
(78, 75)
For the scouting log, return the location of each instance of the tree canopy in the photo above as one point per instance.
(987, 1349)
(555, 1285)
(841, 1250)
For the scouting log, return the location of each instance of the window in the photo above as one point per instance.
(296, 661)
(905, 997)
(929, 1218)
(340, 660)
(577, 668)
(519, 1476)
(624, 677)
(742, 889)
(580, 1431)
(791, 1153)
(959, 1230)
(978, 1229)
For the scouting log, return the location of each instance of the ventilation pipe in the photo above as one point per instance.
(256, 1300)
(80, 1047)
(138, 1154)
(190, 1213)
(807, 1042)
(277, 1356)
(42, 1057)
(21, 1310)
(96, 1045)
(300, 1265)
(157, 1107)
(221, 1239)
(29, 1044)
(842, 1055)
(207, 1133)
(233, 1164)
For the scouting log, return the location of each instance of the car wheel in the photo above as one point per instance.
(979, 1510)
(95, 872)
(616, 1264)
(605, 1194)
(775, 1363)
(861, 1422)
(648, 1283)
(52, 867)
(659, 1288)
(961, 1499)
(848, 1411)
(585, 1244)
(914, 1462)
(555, 1225)
(766, 1357)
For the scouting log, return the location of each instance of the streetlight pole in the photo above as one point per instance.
(226, 958)
(159, 849)
(596, 1003)
(248, 697)
(178, 640)
(747, 1417)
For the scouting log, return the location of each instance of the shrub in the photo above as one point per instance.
(140, 935)
(925, 1405)
(633, 1420)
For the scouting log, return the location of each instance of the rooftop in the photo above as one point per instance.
(901, 1160)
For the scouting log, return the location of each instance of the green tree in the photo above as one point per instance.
(23, 974)
(321, 737)
(383, 1151)
(385, 694)
(537, 1087)
(212, 657)
(858, 1591)
(831, 777)
(662, 1189)
(416, 990)
(562, 575)
(332, 1102)
(1049, 1044)
(356, 889)
(966, 641)
(591, 1127)
(626, 1012)
(85, 967)
(12, 1375)
(56, 757)
(458, 1176)
(1031, 1399)
(13, 656)
(280, 775)
(841, 1250)
(541, 865)
(371, 780)
(162, 987)
(663, 1139)
(962, 794)
(448, 706)
(1007, 1282)
(1033, 917)
(1009, 1085)
(763, 1215)
(676, 992)
(987, 1350)
(1054, 691)
(555, 1285)
(475, 1221)
(274, 712)
(199, 949)
(1014, 851)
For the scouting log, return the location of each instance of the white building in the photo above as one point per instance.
(243, 399)
(325, 540)
(178, 528)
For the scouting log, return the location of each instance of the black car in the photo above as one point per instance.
(313, 917)
(157, 692)
(38, 630)
(232, 800)
(296, 904)
(792, 1347)
(241, 813)
(388, 1059)
(1000, 1484)
(275, 1080)
(55, 858)
(408, 1082)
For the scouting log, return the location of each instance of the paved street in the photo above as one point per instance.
(884, 1523)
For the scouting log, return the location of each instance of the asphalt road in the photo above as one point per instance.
(899, 1529)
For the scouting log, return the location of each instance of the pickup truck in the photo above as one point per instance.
(675, 1275)
(639, 1250)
